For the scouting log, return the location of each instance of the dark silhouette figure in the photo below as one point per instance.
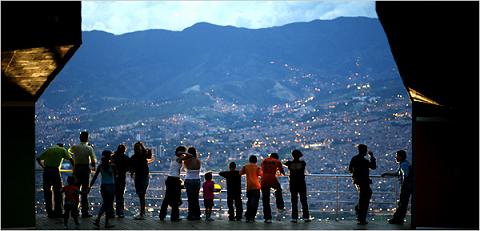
(122, 163)
(72, 193)
(406, 179)
(192, 184)
(234, 191)
(84, 157)
(50, 160)
(360, 169)
(296, 168)
(173, 186)
(141, 173)
(252, 172)
(107, 187)
(270, 166)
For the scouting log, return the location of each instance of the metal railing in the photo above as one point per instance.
(330, 196)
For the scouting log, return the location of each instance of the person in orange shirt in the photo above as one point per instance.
(270, 166)
(252, 172)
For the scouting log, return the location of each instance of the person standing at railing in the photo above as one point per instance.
(234, 191)
(192, 184)
(107, 187)
(270, 166)
(141, 173)
(51, 160)
(406, 178)
(208, 189)
(84, 156)
(296, 168)
(122, 163)
(360, 169)
(173, 189)
(72, 193)
(252, 172)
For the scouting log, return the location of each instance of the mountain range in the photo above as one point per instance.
(328, 59)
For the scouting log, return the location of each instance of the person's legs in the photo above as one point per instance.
(141, 185)
(119, 195)
(255, 199)
(47, 191)
(294, 199)
(231, 211)
(196, 202)
(267, 212)
(363, 202)
(66, 215)
(249, 205)
(193, 190)
(238, 206)
(82, 175)
(109, 198)
(401, 211)
(166, 200)
(57, 194)
(279, 197)
(303, 200)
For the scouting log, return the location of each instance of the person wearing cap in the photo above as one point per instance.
(405, 172)
(360, 167)
(296, 168)
(50, 160)
(173, 183)
(84, 157)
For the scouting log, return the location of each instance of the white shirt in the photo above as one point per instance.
(193, 174)
(174, 168)
(82, 153)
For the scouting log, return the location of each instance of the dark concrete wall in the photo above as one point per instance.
(18, 164)
(435, 46)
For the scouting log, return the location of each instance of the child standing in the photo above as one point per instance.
(252, 172)
(296, 167)
(234, 192)
(208, 189)
(72, 193)
(107, 188)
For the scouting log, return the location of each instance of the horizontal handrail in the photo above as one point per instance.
(216, 174)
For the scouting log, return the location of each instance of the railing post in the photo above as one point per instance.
(338, 198)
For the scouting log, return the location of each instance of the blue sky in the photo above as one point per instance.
(120, 17)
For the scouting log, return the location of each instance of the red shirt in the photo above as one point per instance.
(269, 167)
(71, 194)
(208, 188)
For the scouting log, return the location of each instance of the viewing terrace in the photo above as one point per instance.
(331, 199)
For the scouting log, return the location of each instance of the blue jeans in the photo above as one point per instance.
(193, 190)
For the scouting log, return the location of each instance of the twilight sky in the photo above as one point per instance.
(120, 17)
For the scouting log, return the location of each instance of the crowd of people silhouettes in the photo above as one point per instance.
(115, 166)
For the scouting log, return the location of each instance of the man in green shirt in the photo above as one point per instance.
(50, 160)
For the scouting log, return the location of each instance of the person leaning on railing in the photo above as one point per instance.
(296, 168)
(50, 160)
(405, 172)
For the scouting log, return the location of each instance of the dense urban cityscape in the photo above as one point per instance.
(325, 129)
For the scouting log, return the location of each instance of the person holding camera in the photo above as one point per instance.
(141, 173)
(360, 169)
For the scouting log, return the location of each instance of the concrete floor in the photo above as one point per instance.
(128, 223)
